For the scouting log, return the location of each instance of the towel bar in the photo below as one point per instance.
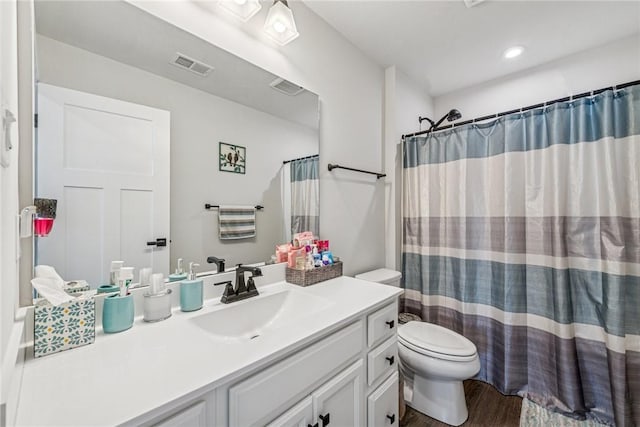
(210, 206)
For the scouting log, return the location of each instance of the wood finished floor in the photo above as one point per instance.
(487, 408)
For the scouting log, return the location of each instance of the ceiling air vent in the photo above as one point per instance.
(183, 61)
(286, 87)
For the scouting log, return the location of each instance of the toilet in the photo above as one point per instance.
(433, 361)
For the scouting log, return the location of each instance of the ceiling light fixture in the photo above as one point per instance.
(280, 25)
(513, 52)
(241, 9)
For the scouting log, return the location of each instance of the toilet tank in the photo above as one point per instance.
(382, 275)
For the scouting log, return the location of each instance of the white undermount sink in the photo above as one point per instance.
(260, 315)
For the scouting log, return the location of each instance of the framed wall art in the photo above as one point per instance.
(233, 158)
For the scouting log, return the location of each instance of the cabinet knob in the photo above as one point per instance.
(392, 418)
(391, 360)
(326, 419)
(390, 323)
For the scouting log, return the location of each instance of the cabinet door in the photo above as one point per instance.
(383, 404)
(339, 402)
(298, 416)
(193, 416)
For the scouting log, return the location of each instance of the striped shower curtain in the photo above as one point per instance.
(305, 196)
(523, 234)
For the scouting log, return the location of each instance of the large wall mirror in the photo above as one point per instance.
(140, 125)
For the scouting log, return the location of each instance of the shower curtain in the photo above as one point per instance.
(305, 196)
(523, 235)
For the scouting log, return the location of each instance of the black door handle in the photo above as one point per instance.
(390, 323)
(392, 418)
(314, 425)
(325, 419)
(158, 243)
(390, 359)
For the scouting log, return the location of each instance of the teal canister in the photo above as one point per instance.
(108, 289)
(117, 313)
(191, 291)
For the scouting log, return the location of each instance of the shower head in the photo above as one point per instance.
(453, 115)
(450, 116)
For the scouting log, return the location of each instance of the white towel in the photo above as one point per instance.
(237, 222)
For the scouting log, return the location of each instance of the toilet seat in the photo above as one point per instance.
(435, 341)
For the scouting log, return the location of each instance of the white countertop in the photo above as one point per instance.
(122, 376)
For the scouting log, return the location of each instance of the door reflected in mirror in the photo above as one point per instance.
(132, 113)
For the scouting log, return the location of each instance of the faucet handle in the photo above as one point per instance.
(251, 285)
(228, 291)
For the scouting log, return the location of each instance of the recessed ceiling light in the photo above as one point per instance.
(513, 52)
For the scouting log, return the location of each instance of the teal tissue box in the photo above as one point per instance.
(71, 324)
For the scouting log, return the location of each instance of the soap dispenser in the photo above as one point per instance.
(179, 274)
(191, 291)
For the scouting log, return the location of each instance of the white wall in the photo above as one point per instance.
(405, 101)
(8, 199)
(350, 87)
(608, 65)
(199, 121)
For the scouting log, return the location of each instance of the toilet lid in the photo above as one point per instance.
(435, 339)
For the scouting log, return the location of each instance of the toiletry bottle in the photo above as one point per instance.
(115, 270)
(179, 274)
(126, 277)
(191, 291)
(113, 279)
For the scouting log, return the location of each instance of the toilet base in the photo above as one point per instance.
(442, 400)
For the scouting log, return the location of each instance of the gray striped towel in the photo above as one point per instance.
(237, 222)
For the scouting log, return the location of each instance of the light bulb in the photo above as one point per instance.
(241, 9)
(513, 52)
(279, 27)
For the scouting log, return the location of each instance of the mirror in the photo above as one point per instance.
(214, 110)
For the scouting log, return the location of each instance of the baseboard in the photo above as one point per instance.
(12, 370)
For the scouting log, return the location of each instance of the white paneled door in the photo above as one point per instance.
(106, 161)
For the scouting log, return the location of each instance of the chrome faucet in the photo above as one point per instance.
(241, 290)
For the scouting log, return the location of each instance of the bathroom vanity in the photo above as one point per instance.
(316, 356)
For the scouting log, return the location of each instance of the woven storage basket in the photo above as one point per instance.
(317, 275)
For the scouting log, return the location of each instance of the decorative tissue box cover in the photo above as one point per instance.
(69, 325)
(311, 277)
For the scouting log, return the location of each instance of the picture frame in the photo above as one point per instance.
(232, 158)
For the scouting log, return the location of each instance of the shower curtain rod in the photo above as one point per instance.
(284, 162)
(530, 107)
(378, 175)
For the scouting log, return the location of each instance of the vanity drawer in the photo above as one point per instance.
(382, 359)
(381, 324)
(255, 399)
(383, 404)
(193, 416)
